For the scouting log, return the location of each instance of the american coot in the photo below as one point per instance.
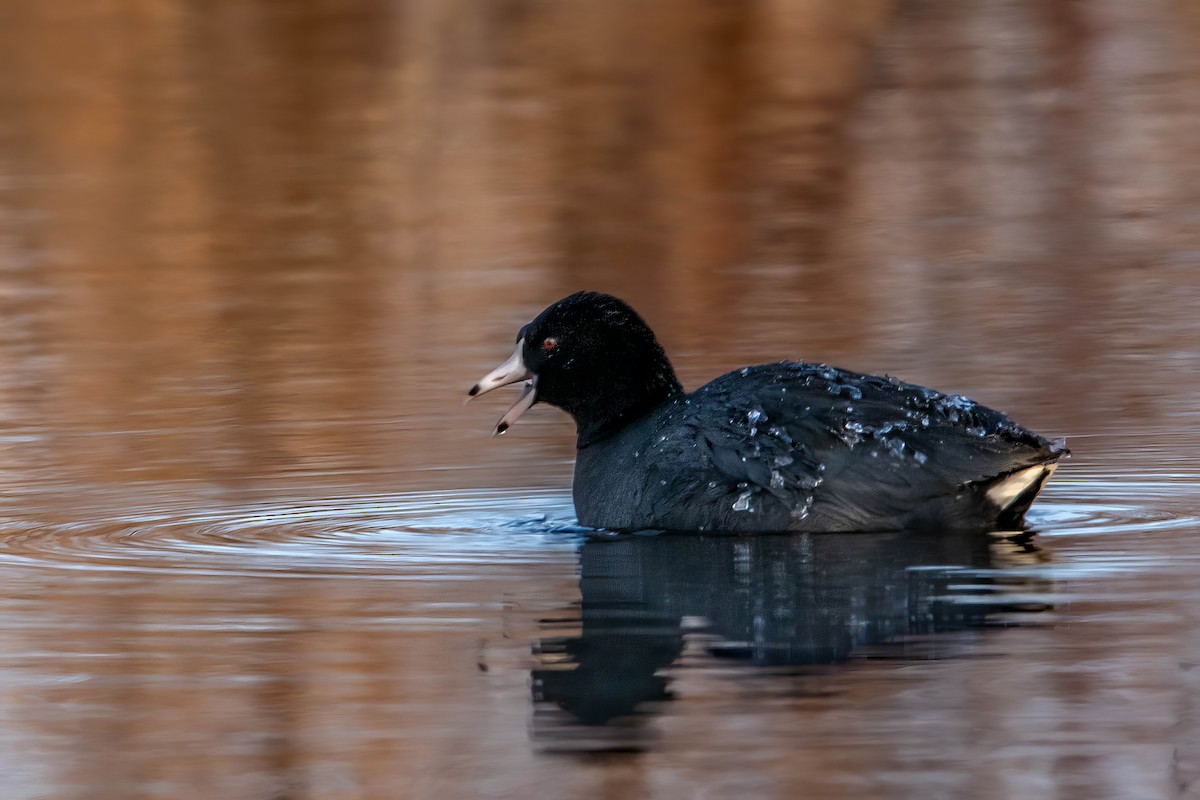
(779, 447)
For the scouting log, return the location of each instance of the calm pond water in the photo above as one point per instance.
(253, 254)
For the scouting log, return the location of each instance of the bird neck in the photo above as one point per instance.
(599, 414)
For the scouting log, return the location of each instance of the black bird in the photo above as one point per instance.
(790, 446)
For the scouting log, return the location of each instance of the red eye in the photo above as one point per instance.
(549, 343)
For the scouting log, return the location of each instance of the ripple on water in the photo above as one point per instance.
(1114, 503)
(1104, 522)
(456, 535)
(430, 535)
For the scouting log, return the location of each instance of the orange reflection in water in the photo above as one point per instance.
(252, 255)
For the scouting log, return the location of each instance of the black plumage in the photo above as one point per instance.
(787, 446)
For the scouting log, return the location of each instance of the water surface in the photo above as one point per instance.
(251, 257)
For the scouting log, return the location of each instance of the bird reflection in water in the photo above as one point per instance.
(786, 602)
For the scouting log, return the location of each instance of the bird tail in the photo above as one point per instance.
(1014, 492)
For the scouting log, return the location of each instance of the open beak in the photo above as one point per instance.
(511, 371)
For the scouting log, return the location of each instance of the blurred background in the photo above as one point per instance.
(253, 253)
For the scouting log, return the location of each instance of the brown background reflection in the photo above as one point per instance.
(260, 237)
(257, 251)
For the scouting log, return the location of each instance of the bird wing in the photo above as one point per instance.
(813, 446)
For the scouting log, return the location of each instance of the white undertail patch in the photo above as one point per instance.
(1009, 488)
